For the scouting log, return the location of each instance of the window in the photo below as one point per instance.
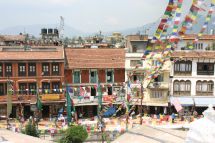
(134, 47)
(22, 69)
(134, 63)
(32, 88)
(1, 70)
(182, 87)
(56, 87)
(8, 69)
(157, 94)
(45, 87)
(55, 69)
(45, 69)
(204, 88)
(1, 89)
(159, 78)
(93, 76)
(205, 69)
(198, 46)
(31, 69)
(109, 76)
(22, 88)
(76, 77)
(181, 67)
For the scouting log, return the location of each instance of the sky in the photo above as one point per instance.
(83, 15)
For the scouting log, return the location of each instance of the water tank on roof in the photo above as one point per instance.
(50, 31)
(43, 31)
(56, 31)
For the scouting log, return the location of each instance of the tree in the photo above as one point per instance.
(74, 134)
(30, 129)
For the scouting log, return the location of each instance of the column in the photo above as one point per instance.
(194, 68)
(193, 87)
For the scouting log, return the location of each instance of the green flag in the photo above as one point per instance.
(68, 107)
(39, 103)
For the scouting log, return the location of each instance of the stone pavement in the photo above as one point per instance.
(146, 134)
(7, 136)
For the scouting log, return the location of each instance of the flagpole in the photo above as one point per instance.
(68, 107)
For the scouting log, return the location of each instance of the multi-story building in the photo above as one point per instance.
(193, 72)
(155, 94)
(38, 70)
(86, 67)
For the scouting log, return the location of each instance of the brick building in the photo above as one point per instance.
(85, 67)
(35, 70)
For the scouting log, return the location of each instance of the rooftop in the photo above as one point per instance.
(32, 53)
(194, 54)
(95, 58)
(12, 37)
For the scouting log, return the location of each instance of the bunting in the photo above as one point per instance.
(164, 20)
(191, 17)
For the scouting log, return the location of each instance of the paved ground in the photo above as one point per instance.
(11, 137)
(146, 134)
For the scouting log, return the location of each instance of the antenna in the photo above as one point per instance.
(61, 28)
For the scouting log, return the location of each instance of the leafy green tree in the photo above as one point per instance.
(30, 129)
(74, 134)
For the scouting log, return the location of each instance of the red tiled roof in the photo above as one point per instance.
(39, 54)
(194, 54)
(95, 58)
(193, 36)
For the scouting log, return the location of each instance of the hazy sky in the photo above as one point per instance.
(84, 15)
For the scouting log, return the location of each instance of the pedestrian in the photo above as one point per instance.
(173, 117)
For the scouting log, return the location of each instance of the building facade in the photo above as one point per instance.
(85, 68)
(155, 94)
(32, 72)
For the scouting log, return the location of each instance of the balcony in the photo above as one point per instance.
(205, 72)
(199, 93)
(176, 73)
(182, 93)
(159, 85)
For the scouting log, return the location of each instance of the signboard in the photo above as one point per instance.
(51, 97)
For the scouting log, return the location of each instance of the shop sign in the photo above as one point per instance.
(50, 97)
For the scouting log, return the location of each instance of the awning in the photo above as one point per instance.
(204, 101)
(184, 101)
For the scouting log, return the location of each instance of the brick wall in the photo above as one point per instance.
(85, 76)
(119, 75)
(68, 76)
(102, 75)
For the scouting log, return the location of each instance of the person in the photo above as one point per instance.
(173, 117)
(195, 114)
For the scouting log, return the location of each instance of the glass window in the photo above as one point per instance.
(45, 68)
(22, 69)
(76, 77)
(157, 94)
(8, 69)
(56, 87)
(32, 69)
(1, 70)
(55, 69)
(22, 88)
(46, 87)
(32, 88)
(93, 76)
(109, 76)
(134, 63)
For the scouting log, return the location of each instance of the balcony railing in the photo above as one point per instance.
(205, 72)
(176, 73)
(182, 93)
(209, 93)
